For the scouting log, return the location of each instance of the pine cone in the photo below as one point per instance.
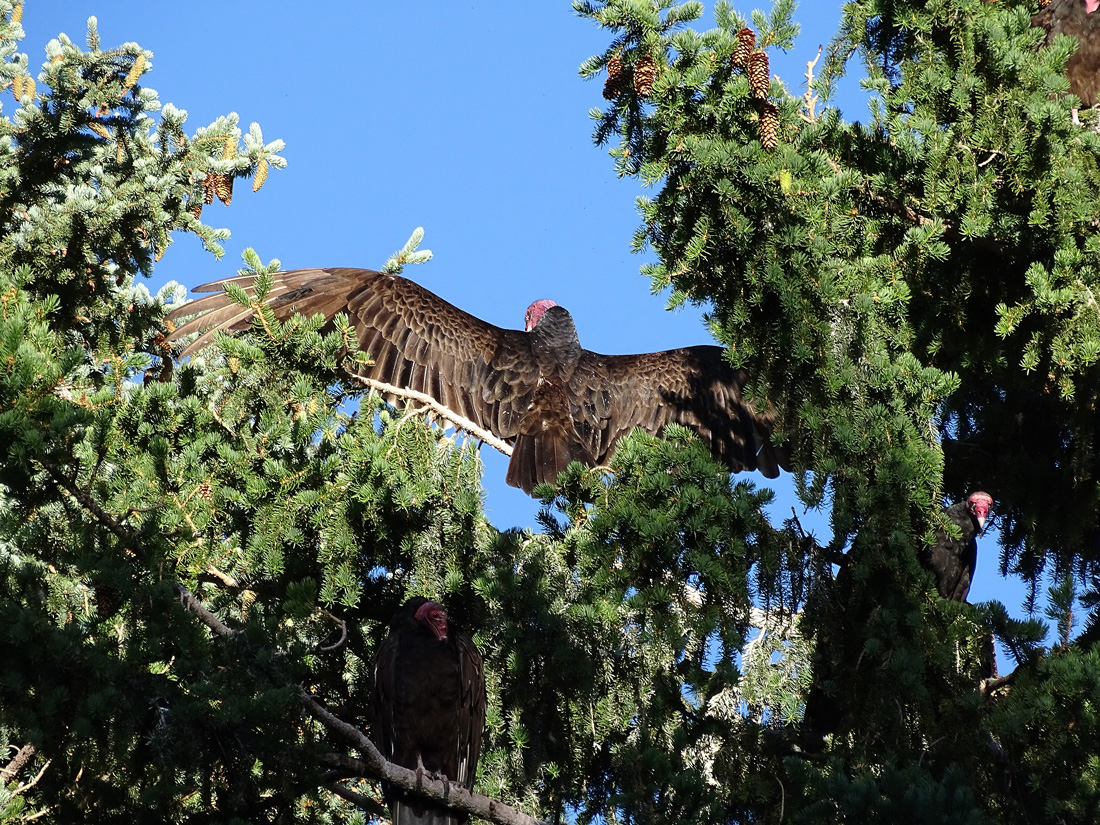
(759, 79)
(223, 188)
(617, 79)
(208, 193)
(261, 175)
(645, 72)
(136, 71)
(746, 42)
(108, 601)
(769, 125)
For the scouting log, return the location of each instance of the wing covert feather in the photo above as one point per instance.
(695, 387)
(416, 339)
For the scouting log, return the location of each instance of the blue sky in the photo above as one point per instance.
(469, 119)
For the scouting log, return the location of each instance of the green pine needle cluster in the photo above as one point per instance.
(185, 545)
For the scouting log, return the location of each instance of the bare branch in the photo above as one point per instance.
(357, 799)
(224, 578)
(452, 796)
(459, 421)
(810, 99)
(195, 606)
(34, 781)
(986, 687)
(11, 770)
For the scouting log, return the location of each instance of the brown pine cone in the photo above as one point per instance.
(759, 79)
(223, 188)
(645, 72)
(769, 125)
(746, 42)
(618, 80)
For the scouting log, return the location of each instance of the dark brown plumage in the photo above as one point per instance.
(1077, 19)
(554, 401)
(952, 560)
(428, 708)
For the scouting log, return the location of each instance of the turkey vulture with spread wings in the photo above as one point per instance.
(538, 389)
(1077, 19)
(952, 560)
(428, 708)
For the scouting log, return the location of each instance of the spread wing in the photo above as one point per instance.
(695, 387)
(416, 339)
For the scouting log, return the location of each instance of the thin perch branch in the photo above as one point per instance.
(459, 421)
(452, 796)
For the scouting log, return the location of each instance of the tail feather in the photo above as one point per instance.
(542, 457)
(403, 812)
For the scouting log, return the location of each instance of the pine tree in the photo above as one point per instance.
(198, 561)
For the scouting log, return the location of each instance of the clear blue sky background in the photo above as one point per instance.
(468, 119)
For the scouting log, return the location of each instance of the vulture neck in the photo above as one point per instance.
(556, 335)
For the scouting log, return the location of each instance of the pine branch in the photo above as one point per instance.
(358, 800)
(11, 770)
(950, 228)
(188, 599)
(986, 687)
(459, 421)
(454, 797)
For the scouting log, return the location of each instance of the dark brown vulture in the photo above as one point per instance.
(428, 709)
(952, 560)
(1075, 18)
(538, 389)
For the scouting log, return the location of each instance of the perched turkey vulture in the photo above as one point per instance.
(428, 709)
(952, 560)
(1073, 18)
(538, 389)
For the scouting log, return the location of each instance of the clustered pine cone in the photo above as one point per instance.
(219, 185)
(617, 79)
(223, 188)
(759, 79)
(746, 42)
(645, 72)
(769, 125)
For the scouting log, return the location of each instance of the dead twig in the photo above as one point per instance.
(461, 422)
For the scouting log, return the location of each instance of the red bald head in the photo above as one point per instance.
(1091, 6)
(434, 616)
(979, 503)
(534, 312)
